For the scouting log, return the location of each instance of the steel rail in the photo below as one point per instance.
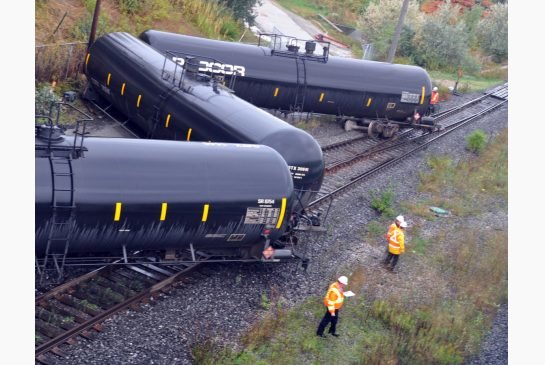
(49, 345)
(395, 160)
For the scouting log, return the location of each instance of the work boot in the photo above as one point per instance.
(321, 335)
(335, 334)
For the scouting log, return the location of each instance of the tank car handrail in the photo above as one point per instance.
(210, 61)
(292, 44)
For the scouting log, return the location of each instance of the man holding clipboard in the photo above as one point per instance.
(333, 301)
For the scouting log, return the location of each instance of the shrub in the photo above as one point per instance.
(443, 39)
(476, 141)
(383, 203)
(492, 32)
(44, 97)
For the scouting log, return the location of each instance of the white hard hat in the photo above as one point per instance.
(403, 224)
(400, 218)
(435, 88)
(343, 280)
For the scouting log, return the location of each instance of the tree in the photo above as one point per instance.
(443, 40)
(242, 9)
(492, 32)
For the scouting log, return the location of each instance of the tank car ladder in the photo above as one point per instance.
(301, 86)
(63, 198)
(62, 220)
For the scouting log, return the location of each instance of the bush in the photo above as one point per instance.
(476, 141)
(44, 97)
(492, 32)
(443, 40)
(383, 203)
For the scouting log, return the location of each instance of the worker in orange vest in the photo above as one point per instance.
(434, 100)
(396, 242)
(333, 301)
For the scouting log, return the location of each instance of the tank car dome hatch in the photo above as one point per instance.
(51, 133)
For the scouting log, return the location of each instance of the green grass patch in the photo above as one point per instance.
(467, 83)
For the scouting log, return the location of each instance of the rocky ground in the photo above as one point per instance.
(226, 300)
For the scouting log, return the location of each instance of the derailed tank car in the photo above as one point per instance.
(115, 194)
(287, 79)
(169, 102)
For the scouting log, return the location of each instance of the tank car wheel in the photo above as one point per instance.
(373, 130)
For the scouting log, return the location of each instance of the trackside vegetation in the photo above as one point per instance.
(444, 326)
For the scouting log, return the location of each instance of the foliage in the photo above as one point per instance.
(131, 6)
(265, 302)
(476, 141)
(492, 32)
(443, 40)
(471, 19)
(242, 9)
(379, 20)
(81, 30)
(44, 97)
(383, 203)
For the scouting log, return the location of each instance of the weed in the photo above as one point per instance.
(476, 141)
(383, 203)
(265, 302)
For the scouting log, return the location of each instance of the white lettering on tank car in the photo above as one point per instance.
(298, 172)
(261, 215)
(265, 201)
(215, 67)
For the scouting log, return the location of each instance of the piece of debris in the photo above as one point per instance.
(440, 212)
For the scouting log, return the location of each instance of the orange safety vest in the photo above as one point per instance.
(390, 231)
(434, 97)
(334, 298)
(396, 240)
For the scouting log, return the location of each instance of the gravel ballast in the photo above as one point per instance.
(223, 300)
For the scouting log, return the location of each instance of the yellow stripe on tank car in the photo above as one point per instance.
(117, 214)
(369, 101)
(138, 101)
(163, 212)
(282, 212)
(108, 80)
(423, 94)
(189, 134)
(123, 89)
(276, 92)
(205, 212)
(321, 97)
(167, 121)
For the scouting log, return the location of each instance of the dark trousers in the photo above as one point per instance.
(325, 321)
(393, 258)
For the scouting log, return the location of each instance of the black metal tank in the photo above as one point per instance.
(161, 195)
(169, 103)
(340, 86)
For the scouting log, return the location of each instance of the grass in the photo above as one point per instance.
(401, 328)
(467, 83)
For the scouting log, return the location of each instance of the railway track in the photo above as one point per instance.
(75, 310)
(349, 162)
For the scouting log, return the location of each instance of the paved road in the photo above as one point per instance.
(271, 18)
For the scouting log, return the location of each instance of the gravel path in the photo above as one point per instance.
(226, 300)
